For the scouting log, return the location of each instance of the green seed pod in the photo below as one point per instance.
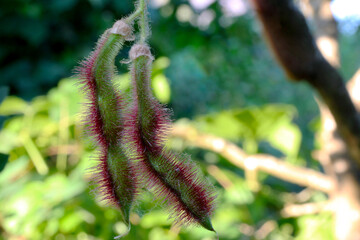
(103, 119)
(172, 177)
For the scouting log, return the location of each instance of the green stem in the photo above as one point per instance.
(141, 12)
(34, 153)
(143, 23)
(61, 159)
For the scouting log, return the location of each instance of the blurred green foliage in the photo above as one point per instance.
(271, 123)
(47, 198)
(220, 77)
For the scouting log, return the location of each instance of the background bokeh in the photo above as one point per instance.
(212, 68)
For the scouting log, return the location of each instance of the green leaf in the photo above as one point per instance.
(12, 105)
(286, 138)
(70, 222)
(43, 125)
(161, 88)
(271, 123)
(8, 140)
(222, 124)
(155, 218)
(160, 64)
(315, 227)
(66, 96)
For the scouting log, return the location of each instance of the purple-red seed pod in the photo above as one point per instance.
(172, 177)
(103, 120)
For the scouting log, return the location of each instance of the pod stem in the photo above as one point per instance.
(140, 12)
(143, 23)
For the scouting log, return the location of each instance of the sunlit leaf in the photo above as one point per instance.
(155, 218)
(12, 169)
(70, 222)
(12, 105)
(122, 81)
(286, 138)
(161, 63)
(8, 140)
(271, 123)
(223, 124)
(161, 88)
(315, 227)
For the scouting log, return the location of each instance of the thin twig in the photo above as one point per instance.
(263, 162)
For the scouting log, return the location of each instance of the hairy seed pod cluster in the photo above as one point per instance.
(114, 173)
(172, 177)
(131, 135)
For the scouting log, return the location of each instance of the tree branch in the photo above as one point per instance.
(296, 210)
(353, 87)
(295, 48)
(292, 43)
(266, 163)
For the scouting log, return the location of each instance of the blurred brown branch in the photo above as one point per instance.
(353, 87)
(296, 210)
(292, 43)
(266, 163)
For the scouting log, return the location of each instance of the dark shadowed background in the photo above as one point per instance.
(212, 68)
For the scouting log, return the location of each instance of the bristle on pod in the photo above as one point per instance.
(103, 119)
(172, 177)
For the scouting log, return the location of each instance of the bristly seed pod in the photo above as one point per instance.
(103, 119)
(172, 177)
